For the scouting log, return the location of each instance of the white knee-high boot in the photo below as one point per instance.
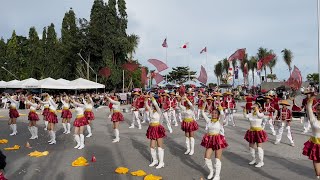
(68, 128)
(64, 128)
(81, 141)
(89, 131)
(46, 125)
(261, 155)
(31, 132)
(35, 132)
(210, 167)
(77, 139)
(218, 169)
(116, 134)
(161, 157)
(191, 146)
(188, 145)
(154, 157)
(53, 138)
(14, 130)
(253, 155)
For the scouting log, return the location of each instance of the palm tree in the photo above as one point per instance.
(242, 64)
(218, 71)
(225, 65)
(253, 66)
(262, 52)
(287, 57)
(133, 45)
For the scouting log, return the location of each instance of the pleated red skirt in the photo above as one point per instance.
(117, 117)
(52, 118)
(256, 136)
(311, 150)
(189, 126)
(66, 114)
(89, 115)
(215, 142)
(81, 121)
(33, 116)
(156, 132)
(13, 113)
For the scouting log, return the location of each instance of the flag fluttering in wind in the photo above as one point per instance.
(295, 79)
(236, 72)
(130, 66)
(203, 76)
(164, 44)
(106, 72)
(184, 46)
(158, 77)
(267, 59)
(203, 50)
(259, 65)
(239, 54)
(144, 78)
(158, 64)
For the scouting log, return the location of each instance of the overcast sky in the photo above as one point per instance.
(222, 26)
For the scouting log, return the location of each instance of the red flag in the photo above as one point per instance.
(259, 65)
(184, 46)
(164, 44)
(158, 77)
(106, 72)
(203, 76)
(158, 64)
(239, 54)
(182, 90)
(267, 59)
(295, 79)
(203, 50)
(144, 78)
(130, 66)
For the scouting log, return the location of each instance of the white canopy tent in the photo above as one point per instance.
(3, 84)
(26, 84)
(64, 81)
(81, 83)
(11, 83)
(49, 83)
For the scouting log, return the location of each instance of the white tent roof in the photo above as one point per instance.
(3, 84)
(11, 83)
(85, 84)
(50, 83)
(27, 83)
(64, 81)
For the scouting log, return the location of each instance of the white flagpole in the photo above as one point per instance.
(318, 22)
(166, 59)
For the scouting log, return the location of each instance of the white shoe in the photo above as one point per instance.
(68, 132)
(115, 140)
(161, 156)
(304, 132)
(139, 126)
(260, 164)
(45, 129)
(176, 124)
(210, 167)
(274, 133)
(53, 142)
(170, 129)
(292, 144)
(252, 162)
(188, 145)
(132, 126)
(77, 139)
(155, 162)
(277, 142)
(89, 135)
(143, 121)
(191, 146)
(160, 165)
(81, 141)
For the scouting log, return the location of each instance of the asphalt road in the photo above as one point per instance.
(281, 161)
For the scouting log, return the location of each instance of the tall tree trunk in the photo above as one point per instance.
(265, 74)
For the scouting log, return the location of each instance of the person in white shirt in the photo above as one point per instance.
(116, 117)
(13, 114)
(214, 140)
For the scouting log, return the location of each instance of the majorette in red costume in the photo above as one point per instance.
(136, 104)
(229, 105)
(269, 111)
(249, 100)
(306, 122)
(284, 118)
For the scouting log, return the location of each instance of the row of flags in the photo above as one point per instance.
(184, 46)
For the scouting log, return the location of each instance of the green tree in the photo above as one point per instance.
(263, 52)
(34, 54)
(53, 61)
(252, 66)
(287, 58)
(218, 71)
(272, 77)
(180, 75)
(3, 48)
(225, 65)
(314, 77)
(12, 56)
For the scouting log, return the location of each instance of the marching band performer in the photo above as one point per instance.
(155, 133)
(256, 135)
(312, 146)
(146, 115)
(177, 108)
(88, 113)
(166, 106)
(249, 99)
(45, 113)
(135, 110)
(209, 106)
(13, 115)
(173, 105)
(269, 111)
(33, 118)
(214, 140)
(116, 117)
(284, 119)
(201, 103)
(79, 123)
(66, 115)
(188, 125)
(229, 104)
(306, 122)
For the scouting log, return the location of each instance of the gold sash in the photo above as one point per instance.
(256, 128)
(315, 140)
(188, 120)
(154, 124)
